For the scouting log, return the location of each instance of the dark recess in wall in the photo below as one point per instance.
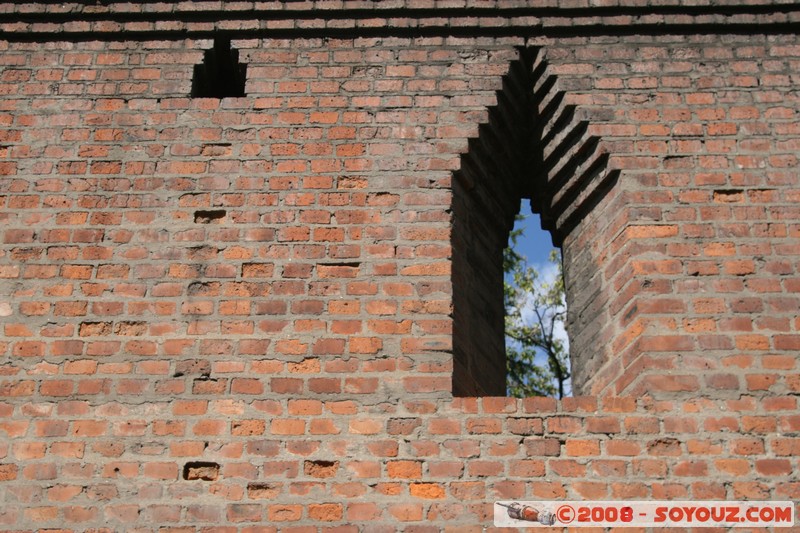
(487, 190)
(220, 74)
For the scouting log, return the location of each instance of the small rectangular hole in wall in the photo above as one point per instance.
(220, 75)
(200, 470)
(207, 217)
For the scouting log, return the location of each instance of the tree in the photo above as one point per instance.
(535, 313)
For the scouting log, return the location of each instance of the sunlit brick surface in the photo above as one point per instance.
(247, 314)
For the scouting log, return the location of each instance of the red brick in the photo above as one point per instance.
(287, 426)
(404, 469)
(406, 512)
(312, 245)
(362, 511)
(325, 512)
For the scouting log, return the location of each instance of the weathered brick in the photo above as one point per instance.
(301, 275)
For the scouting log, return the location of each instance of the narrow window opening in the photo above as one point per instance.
(220, 75)
(537, 146)
(537, 346)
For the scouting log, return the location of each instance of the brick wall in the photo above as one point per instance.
(693, 256)
(247, 314)
(491, 178)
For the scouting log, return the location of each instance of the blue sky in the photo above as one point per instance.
(535, 243)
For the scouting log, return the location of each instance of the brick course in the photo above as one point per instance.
(248, 314)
